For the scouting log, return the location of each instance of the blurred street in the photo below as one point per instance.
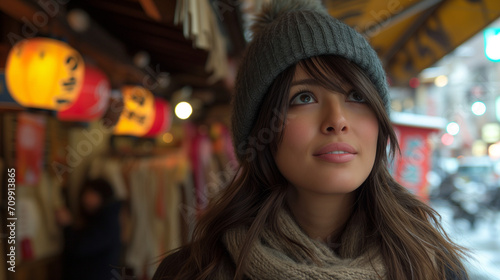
(483, 241)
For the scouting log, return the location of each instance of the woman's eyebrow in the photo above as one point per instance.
(314, 82)
(309, 81)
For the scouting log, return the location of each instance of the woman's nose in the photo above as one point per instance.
(334, 120)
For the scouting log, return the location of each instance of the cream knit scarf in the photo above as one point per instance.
(271, 258)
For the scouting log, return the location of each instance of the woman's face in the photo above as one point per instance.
(330, 138)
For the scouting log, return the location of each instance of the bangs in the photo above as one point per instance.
(341, 75)
(325, 73)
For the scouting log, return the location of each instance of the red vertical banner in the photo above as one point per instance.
(30, 142)
(411, 168)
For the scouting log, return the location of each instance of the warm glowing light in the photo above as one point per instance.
(137, 116)
(494, 151)
(478, 108)
(44, 73)
(441, 81)
(453, 128)
(168, 137)
(79, 20)
(183, 110)
(447, 139)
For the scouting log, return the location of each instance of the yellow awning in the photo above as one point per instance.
(411, 35)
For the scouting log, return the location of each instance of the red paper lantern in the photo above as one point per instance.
(92, 100)
(162, 118)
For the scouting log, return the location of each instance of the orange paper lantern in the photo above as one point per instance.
(44, 73)
(138, 112)
(93, 99)
(162, 118)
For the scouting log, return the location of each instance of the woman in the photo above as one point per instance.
(313, 198)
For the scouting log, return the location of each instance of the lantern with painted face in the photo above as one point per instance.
(137, 115)
(44, 73)
(93, 99)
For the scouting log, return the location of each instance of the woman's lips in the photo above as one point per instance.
(336, 153)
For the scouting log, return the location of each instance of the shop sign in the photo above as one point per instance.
(411, 168)
(30, 135)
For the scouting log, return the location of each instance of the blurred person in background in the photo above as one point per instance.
(92, 241)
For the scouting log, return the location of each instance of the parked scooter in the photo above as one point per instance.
(469, 199)
(466, 198)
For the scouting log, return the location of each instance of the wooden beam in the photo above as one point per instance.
(159, 10)
(158, 29)
(151, 9)
(126, 8)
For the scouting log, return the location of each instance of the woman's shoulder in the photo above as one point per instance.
(172, 264)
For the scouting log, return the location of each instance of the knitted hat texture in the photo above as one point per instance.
(286, 32)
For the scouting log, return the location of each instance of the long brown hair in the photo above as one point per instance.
(412, 242)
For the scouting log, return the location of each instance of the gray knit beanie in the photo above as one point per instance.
(285, 32)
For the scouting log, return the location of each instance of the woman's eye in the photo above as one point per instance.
(302, 98)
(355, 96)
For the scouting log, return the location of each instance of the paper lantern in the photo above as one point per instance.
(44, 73)
(93, 99)
(138, 112)
(162, 118)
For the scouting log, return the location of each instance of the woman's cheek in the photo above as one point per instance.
(369, 125)
(297, 132)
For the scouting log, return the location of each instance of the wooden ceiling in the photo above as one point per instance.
(119, 29)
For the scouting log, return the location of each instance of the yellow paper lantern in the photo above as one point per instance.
(44, 73)
(138, 112)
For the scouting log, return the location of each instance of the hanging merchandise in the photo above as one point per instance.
(30, 148)
(137, 115)
(93, 99)
(200, 155)
(162, 118)
(200, 25)
(44, 73)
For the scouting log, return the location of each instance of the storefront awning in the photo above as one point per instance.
(411, 35)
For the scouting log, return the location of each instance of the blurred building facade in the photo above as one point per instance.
(449, 90)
